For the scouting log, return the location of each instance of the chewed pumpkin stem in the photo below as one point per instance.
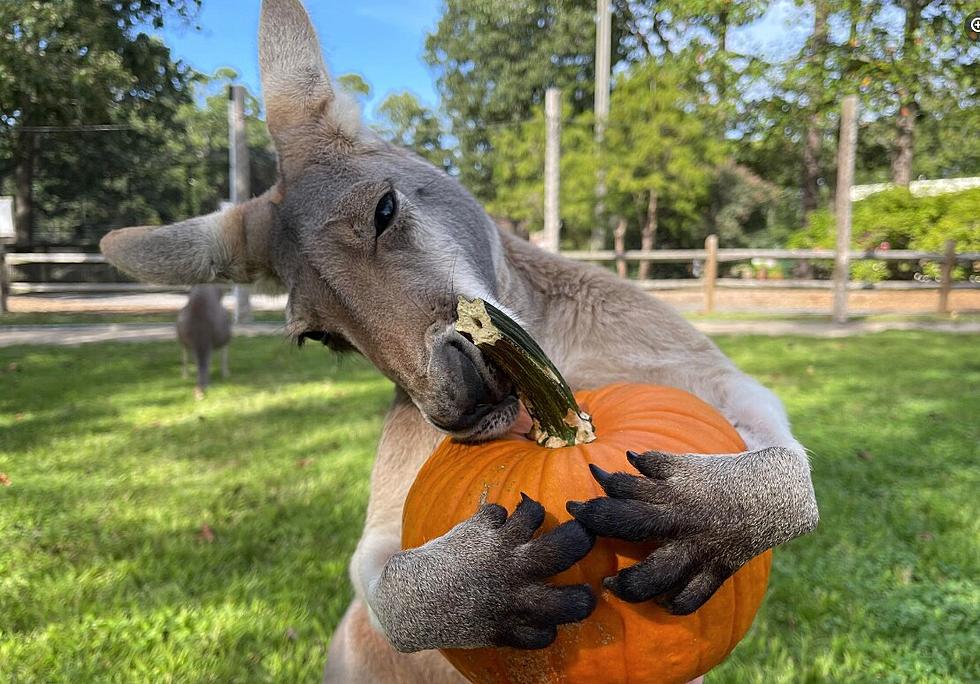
(558, 420)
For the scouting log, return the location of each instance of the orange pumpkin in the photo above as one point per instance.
(620, 641)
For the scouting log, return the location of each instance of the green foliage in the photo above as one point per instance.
(355, 85)
(107, 573)
(75, 63)
(406, 122)
(894, 219)
(660, 141)
(198, 158)
(494, 59)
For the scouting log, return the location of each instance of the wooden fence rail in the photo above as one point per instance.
(709, 258)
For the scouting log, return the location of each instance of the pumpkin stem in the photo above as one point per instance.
(558, 420)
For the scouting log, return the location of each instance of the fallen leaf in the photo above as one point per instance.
(18, 416)
(304, 462)
(206, 534)
(4, 480)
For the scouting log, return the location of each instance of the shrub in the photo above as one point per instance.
(894, 219)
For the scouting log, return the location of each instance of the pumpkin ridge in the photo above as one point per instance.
(441, 481)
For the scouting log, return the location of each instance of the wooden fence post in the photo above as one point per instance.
(842, 203)
(4, 278)
(619, 245)
(710, 272)
(946, 280)
(552, 169)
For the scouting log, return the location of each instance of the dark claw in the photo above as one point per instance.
(559, 549)
(494, 515)
(525, 520)
(653, 464)
(623, 518)
(665, 570)
(694, 595)
(527, 636)
(624, 485)
(549, 605)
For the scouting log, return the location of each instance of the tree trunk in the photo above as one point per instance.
(908, 108)
(811, 143)
(904, 143)
(619, 243)
(649, 234)
(811, 169)
(24, 190)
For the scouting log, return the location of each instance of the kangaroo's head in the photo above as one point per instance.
(371, 243)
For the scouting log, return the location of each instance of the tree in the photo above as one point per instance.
(199, 154)
(71, 64)
(665, 150)
(406, 122)
(933, 51)
(494, 59)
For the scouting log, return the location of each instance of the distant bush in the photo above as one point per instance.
(894, 219)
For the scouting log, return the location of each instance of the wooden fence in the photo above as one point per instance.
(709, 259)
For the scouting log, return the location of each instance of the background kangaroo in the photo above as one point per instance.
(203, 326)
(373, 245)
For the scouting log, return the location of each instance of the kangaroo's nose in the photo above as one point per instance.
(469, 398)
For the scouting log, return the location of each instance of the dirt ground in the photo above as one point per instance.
(769, 301)
(821, 301)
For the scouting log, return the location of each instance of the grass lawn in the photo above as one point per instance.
(96, 318)
(148, 537)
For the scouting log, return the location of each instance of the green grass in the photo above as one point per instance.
(96, 318)
(114, 471)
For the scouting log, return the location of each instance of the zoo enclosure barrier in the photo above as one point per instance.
(704, 263)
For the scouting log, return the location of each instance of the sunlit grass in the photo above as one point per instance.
(148, 537)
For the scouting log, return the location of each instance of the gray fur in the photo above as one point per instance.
(482, 584)
(204, 326)
(391, 296)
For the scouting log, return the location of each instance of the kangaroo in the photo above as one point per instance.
(203, 326)
(373, 245)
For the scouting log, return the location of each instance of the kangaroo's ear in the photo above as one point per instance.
(232, 244)
(304, 111)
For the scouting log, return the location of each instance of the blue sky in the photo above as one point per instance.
(380, 39)
(383, 40)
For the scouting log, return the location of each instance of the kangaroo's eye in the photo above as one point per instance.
(384, 213)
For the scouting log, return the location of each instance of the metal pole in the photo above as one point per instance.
(552, 171)
(239, 183)
(603, 47)
(842, 204)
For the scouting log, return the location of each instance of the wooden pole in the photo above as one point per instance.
(946, 280)
(552, 171)
(4, 278)
(603, 47)
(842, 205)
(619, 243)
(239, 182)
(710, 272)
